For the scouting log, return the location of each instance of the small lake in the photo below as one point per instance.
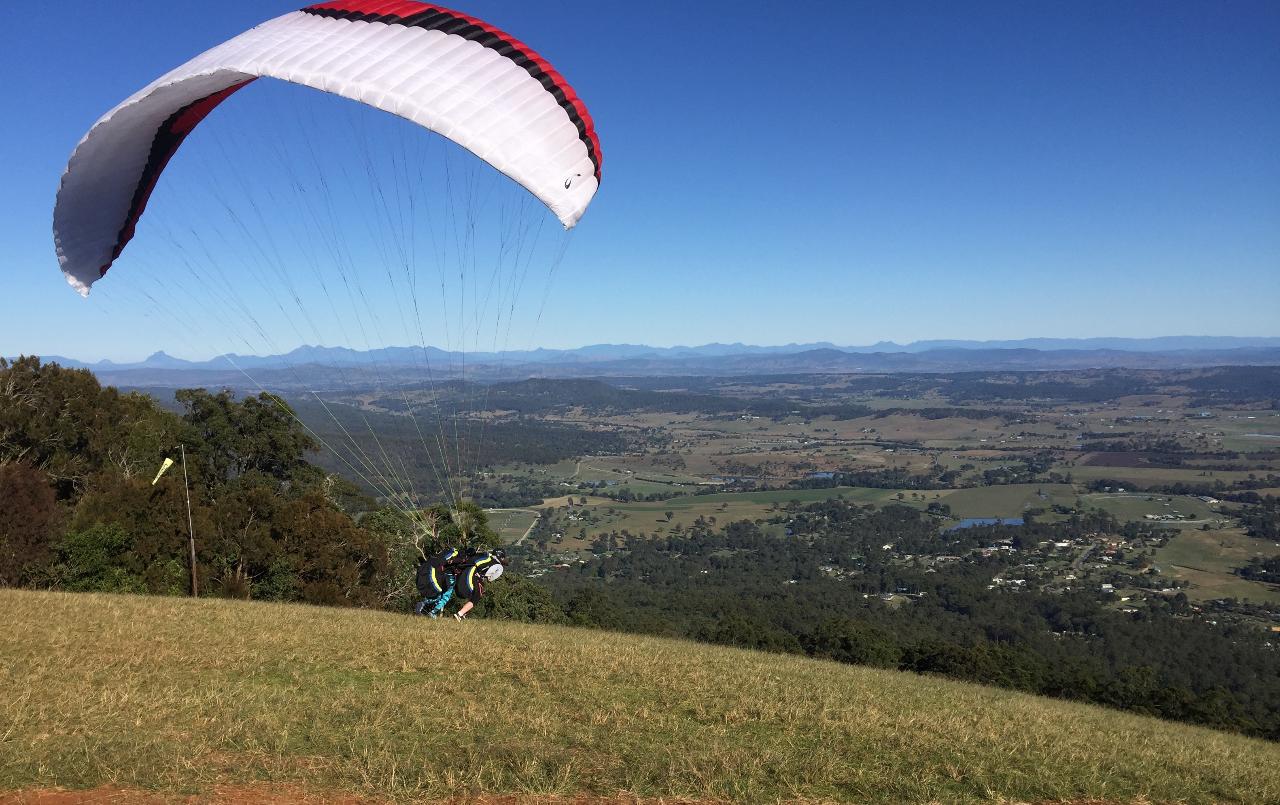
(970, 522)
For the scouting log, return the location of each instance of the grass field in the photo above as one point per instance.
(1009, 500)
(1252, 432)
(725, 507)
(1127, 506)
(511, 524)
(182, 697)
(1207, 559)
(1083, 473)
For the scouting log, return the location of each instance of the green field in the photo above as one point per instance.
(1009, 500)
(1081, 473)
(1207, 560)
(1261, 432)
(188, 698)
(725, 507)
(511, 524)
(1126, 506)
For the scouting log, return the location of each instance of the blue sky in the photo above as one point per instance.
(845, 172)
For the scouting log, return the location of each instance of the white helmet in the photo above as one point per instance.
(493, 573)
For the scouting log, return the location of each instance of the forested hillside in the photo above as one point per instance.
(81, 512)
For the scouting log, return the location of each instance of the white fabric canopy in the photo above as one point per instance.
(442, 70)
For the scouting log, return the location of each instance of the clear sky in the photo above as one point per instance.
(773, 173)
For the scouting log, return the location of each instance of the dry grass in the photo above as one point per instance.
(184, 697)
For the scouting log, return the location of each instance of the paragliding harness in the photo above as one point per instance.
(479, 570)
(439, 577)
(435, 581)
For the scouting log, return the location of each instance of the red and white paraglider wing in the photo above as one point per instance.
(443, 70)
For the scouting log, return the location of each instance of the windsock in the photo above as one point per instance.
(168, 462)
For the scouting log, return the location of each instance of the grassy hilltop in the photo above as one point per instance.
(181, 696)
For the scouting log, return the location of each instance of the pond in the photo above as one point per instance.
(970, 522)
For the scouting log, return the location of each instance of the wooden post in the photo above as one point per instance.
(191, 529)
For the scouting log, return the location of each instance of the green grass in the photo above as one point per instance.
(182, 697)
(1082, 473)
(1260, 433)
(1129, 506)
(725, 507)
(511, 524)
(1009, 500)
(1207, 559)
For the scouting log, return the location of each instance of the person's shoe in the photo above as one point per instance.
(458, 616)
(433, 615)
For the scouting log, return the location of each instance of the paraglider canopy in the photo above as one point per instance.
(446, 71)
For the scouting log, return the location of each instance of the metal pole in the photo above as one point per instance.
(191, 529)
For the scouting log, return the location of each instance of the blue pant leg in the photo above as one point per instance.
(442, 600)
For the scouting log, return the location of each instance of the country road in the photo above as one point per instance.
(1080, 559)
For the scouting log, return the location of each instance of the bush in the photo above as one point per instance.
(93, 560)
(515, 598)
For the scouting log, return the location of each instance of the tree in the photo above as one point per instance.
(153, 520)
(63, 423)
(515, 598)
(397, 535)
(28, 519)
(846, 640)
(335, 561)
(746, 632)
(591, 607)
(258, 435)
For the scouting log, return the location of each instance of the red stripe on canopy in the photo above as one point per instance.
(406, 8)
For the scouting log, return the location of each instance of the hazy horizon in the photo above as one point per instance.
(746, 345)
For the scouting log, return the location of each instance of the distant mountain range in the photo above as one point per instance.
(413, 356)
(339, 367)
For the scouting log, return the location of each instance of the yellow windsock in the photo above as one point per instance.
(168, 462)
